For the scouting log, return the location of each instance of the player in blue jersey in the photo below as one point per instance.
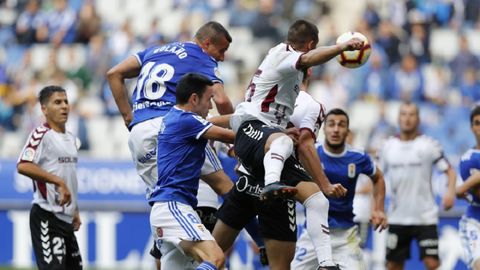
(158, 70)
(342, 165)
(181, 153)
(470, 189)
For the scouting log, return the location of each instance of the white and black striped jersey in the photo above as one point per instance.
(272, 92)
(57, 154)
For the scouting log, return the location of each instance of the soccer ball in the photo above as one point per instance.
(353, 59)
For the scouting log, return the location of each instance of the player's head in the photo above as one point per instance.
(54, 104)
(475, 122)
(408, 118)
(214, 39)
(336, 128)
(303, 35)
(195, 90)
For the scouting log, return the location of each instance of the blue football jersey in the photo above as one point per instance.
(469, 164)
(180, 157)
(162, 68)
(344, 169)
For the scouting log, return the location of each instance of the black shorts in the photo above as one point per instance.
(54, 242)
(250, 149)
(277, 219)
(400, 237)
(208, 218)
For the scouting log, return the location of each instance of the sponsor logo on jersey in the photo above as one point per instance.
(28, 154)
(351, 170)
(67, 159)
(243, 185)
(253, 133)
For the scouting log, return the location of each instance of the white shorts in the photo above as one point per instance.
(174, 221)
(143, 147)
(346, 250)
(470, 234)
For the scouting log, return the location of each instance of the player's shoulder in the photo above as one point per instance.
(355, 151)
(470, 154)
(423, 139)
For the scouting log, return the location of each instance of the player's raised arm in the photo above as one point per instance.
(323, 54)
(116, 76)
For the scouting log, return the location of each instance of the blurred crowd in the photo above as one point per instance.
(423, 51)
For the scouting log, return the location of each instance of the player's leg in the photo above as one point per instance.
(73, 257)
(398, 246)
(427, 239)
(278, 148)
(46, 240)
(278, 226)
(178, 224)
(142, 142)
(469, 229)
(253, 146)
(155, 253)
(280, 253)
(305, 256)
(346, 249)
(237, 210)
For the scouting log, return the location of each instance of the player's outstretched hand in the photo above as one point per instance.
(353, 44)
(65, 197)
(448, 200)
(379, 220)
(335, 191)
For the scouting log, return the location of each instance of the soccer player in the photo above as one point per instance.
(470, 172)
(181, 153)
(343, 164)
(261, 144)
(158, 70)
(407, 161)
(49, 158)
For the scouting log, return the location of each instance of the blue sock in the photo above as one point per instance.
(252, 229)
(206, 266)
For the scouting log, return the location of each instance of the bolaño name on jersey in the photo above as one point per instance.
(175, 48)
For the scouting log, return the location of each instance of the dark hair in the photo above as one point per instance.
(214, 31)
(47, 92)
(338, 111)
(301, 32)
(191, 83)
(475, 111)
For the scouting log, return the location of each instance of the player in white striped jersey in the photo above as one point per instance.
(407, 161)
(470, 171)
(260, 122)
(49, 158)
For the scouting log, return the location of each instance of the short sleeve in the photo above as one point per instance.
(437, 156)
(32, 151)
(289, 62)
(195, 126)
(141, 56)
(367, 165)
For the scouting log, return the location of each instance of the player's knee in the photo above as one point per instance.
(317, 201)
(431, 263)
(283, 142)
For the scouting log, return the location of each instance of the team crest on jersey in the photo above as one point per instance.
(351, 170)
(217, 73)
(28, 154)
(159, 231)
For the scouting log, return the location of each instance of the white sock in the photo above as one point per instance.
(280, 149)
(317, 227)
